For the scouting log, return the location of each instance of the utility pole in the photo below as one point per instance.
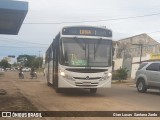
(39, 58)
(140, 45)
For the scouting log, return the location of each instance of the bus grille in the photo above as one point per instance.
(81, 84)
(84, 78)
(86, 70)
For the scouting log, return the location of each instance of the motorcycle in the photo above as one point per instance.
(21, 75)
(33, 75)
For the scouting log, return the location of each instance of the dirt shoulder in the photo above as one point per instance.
(11, 99)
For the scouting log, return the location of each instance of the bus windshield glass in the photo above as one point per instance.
(85, 52)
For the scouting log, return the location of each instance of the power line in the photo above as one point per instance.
(123, 18)
(21, 47)
(153, 32)
(13, 40)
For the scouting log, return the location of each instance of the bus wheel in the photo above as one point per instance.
(93, 90)
(58, 90)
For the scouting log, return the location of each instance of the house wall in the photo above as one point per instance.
(135, 66)
(149, 46)
(119, 62)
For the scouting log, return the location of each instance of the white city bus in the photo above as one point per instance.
(80, 57)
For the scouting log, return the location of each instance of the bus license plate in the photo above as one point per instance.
(86, 83)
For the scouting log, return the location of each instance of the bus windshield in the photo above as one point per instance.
(85, 52)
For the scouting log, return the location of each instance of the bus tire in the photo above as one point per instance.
(93, 90)
(58, 90)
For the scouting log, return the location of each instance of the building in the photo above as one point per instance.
(126, 46)
(133, 50)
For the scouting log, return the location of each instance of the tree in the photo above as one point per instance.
(37, 62)
(25, 60)
(4, 64)
(30, 61)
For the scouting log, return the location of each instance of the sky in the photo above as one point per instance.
(45, 18)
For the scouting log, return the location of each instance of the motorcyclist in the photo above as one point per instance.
(20, 70)
(32, 71)
(21, 73)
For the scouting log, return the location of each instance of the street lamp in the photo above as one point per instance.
(140, 45)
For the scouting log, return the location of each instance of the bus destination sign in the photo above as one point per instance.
(88, 31)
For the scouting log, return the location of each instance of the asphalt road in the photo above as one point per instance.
(120, 97)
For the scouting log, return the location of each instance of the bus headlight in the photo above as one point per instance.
(109, 74)
(66, 76)
(62, 73)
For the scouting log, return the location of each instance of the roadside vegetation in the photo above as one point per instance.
(4, 64)
(23, 60)
(29, 61)
(120, 74)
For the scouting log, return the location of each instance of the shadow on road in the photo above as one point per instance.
(79, 92)
(151, 92)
